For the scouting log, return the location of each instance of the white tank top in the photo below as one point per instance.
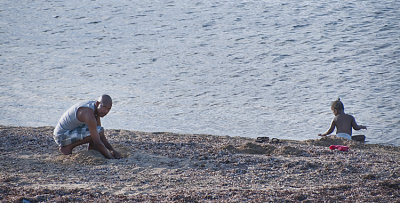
(69, 121)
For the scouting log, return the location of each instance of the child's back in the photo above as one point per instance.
(342, 122)
(345, 123)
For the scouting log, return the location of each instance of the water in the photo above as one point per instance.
(238, 68)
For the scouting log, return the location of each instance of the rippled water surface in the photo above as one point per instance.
(238, 68)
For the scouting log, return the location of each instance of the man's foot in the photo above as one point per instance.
(66, 150)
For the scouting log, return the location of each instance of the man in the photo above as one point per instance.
(81, 124)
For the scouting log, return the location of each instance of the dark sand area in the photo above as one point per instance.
(168, 167)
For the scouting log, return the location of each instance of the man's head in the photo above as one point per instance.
(103, 105)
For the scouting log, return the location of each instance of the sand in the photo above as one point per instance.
(168, 167)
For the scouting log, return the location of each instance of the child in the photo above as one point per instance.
(343, 122)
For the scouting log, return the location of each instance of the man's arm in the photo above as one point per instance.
(86, 115)
(98, 120)
(106, 143)
(103, 138)
(114, 152)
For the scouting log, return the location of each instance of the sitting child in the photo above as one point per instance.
(343, 122)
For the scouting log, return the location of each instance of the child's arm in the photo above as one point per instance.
(355, 126)
(333, 124)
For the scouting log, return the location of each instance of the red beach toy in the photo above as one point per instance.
(339, 147)
(343, 148)
(333, 147)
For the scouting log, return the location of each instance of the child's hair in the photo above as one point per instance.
(338, 105)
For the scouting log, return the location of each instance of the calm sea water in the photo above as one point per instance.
(239, 68)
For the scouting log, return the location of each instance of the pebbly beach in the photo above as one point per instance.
(170, 167)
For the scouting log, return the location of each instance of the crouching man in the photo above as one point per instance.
(81, 124)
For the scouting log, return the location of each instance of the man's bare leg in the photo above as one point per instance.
(91, 144)
(68, 149)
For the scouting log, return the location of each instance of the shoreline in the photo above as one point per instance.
(170, 167)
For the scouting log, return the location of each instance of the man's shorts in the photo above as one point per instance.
(74, 135)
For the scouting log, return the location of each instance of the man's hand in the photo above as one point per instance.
(116, 154)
